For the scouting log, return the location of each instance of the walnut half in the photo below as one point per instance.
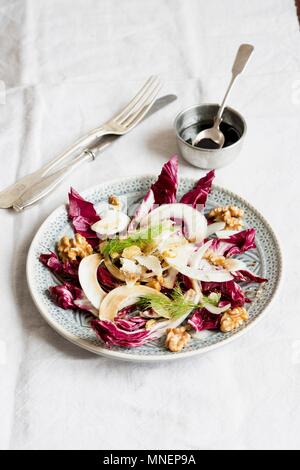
(231, 215)
(177, 338)
(70, 249)
(233, 318)
(114, 201)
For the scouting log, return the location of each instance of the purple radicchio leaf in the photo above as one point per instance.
(201, 320)
(197, 196)
(143, 209)
(127, 319)
(67, 270)
(235, 244)
(186, 282)
(230, 291)
(82, 215)
(131, 323)
(247, 276)
(69, 296)
(113, 335)
(106, 279)
(165, 188)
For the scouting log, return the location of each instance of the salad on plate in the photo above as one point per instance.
(170, 271)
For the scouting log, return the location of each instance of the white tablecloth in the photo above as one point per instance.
(65, 67)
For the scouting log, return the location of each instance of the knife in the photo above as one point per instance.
(44, 185)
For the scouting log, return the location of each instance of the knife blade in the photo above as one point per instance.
(46, 184)
(158, 105)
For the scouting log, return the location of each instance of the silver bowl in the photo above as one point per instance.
(209, 158)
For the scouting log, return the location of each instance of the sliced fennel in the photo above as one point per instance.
(194, 223)
(122, 297)
(151, 263)
(212, 275)
(87, 273)
(144, 238)
(215, 228)
(172, 308)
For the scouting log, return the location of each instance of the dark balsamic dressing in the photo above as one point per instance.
(231, 134)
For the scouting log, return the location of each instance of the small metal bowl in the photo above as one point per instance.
(209, 158)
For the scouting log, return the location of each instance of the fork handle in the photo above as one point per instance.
(16, 190)
(80, 144)
(49, 183)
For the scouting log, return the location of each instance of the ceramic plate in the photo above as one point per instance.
(265, 261)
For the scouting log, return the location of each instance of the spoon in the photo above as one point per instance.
(214, 134)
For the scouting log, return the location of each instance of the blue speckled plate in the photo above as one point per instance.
(265, 260)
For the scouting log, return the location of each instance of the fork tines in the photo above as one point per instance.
(140, 104)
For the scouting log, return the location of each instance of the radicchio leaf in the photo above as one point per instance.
(235, 244)
(201, 320)
(112, 335)
(186, 282)
(83, 214)
(126, 320)
(165, 188)
(143, 209)
(67, 270)
(106, 279)
(248, 276)
(198, 195)
(230, 291)
(69, 296)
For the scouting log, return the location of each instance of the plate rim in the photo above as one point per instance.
(118, 355)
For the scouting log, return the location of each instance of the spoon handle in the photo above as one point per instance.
(243, 54)
(242, 57)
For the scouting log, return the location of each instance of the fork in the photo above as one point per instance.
(126, 120)
(120, 124)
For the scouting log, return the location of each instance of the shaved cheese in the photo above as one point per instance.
(150, 262)
(129, 266)
(131, 270)
(212, 275)
(169, 280)
(113, 222)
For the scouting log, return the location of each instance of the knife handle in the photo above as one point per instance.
(47, 184)
(16, 190)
